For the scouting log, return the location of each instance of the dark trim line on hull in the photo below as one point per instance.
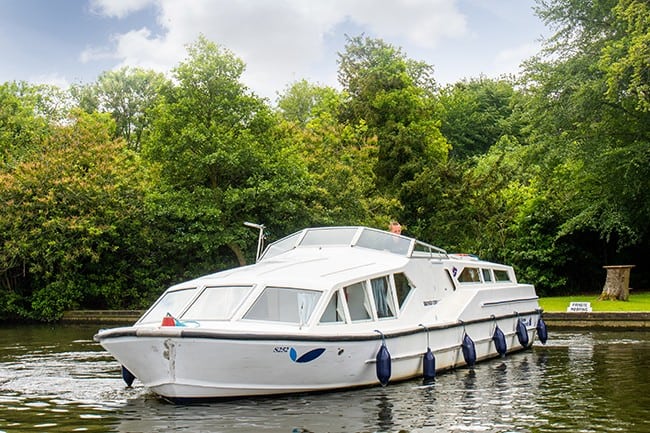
(215, 335)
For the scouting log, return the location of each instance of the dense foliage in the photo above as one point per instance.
(111, 191)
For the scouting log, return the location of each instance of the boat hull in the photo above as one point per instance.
(182, 364)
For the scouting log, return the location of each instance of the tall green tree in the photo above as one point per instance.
(392, 95)
(589, 119)
(625, 59)
(603, 125)
(127, 94)
(223, 161)
(340, 158)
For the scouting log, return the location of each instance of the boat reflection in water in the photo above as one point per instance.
(327, 308)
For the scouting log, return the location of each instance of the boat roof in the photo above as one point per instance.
(319, 258)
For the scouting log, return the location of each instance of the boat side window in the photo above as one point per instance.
(284, 304)
(384, 304)
(358, 302)
(487, 275)
(334, 312)
(469, 275)
(217, 303)
(402, 288)
(501, 275)
(172, 302)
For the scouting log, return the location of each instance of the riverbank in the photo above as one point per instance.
(554, 319)
(101, 317)
(639, 301)
(598, 320)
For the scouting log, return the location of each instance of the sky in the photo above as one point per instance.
(65, 42)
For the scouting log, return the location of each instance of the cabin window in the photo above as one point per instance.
(172, 302)
(469, 275)
(217, 303)
(358, 302)
(501, 275)
(487, 275)
(402, 288)
(283, 304)
(334, 312)
(384, 304)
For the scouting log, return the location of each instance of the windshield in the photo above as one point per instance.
(172, 302)
(217, 303)
(281, 246)
(329, 236)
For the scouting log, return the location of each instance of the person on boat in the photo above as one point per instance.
(395, 227)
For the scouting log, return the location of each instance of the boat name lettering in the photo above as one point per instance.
(281, 349)
(430, 302)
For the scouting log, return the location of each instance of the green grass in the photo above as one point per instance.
(637, 302)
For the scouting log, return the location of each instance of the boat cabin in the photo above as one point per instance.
(319, 277)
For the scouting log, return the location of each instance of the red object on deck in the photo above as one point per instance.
(168, 320)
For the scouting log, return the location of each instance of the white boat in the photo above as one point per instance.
(327, 308)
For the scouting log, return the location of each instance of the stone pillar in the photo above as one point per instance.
(617, 283)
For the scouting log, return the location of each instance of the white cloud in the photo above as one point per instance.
(94, 53)
(280, 40)
(423, 23)
(118, 8)
(510, 59)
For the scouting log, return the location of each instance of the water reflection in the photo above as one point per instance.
(58, 379)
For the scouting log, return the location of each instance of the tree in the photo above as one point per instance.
(22, 124)
(625, 59)
(588, 119)
(72, 227)
(223, 161)
(127, 94)
(476, 113)
(393, 97)
(302, 102)
(340, 159)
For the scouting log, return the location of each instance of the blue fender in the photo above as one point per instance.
(428, 365)
(499, 341)
(522, 333)
(542, 332)
(127, 376)
(469, 351)
(383, 365)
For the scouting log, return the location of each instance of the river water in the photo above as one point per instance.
(56, 379)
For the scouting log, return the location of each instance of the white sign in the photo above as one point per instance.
(579, 307)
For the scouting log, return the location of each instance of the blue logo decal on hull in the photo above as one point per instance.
(309, 356)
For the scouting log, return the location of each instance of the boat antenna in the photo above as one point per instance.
(260, 237)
